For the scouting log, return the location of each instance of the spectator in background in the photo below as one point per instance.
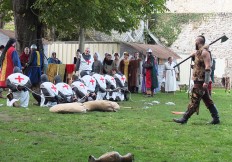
(170, 75)
(9, 59)
(108, 65)
(34, 66)
(97, 65)
(1, 49)
(124, 65)
(116, 61)
(78, 53)
(53, 59)
(105, 58)
(45, 65)
(84, 63)
(134, 71)
(211, 76)
(24, 57)
(150, 73)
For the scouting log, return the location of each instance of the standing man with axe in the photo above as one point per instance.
(201, 78)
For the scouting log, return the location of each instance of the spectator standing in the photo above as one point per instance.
(116, 61)
(53, 59)
(9, 59)
(170, 75)
(34, 66)
(85, 62)
(150, 73)
(97, 65)
(78, 53)
(124, 65)
(108, 65)
(24, 57)
(134, 73)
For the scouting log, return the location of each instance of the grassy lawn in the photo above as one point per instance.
(145, 130)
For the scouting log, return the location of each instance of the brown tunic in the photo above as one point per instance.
(199, 68)
(133, 73)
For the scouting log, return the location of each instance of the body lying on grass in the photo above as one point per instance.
(112, 157)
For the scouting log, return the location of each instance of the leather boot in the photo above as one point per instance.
(152, 93)
(214, 114)
(185, 117)
(148, 93)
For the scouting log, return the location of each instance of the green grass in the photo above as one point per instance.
(35, 134)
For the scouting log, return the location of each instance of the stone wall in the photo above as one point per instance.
(212, 26)
(199, 6)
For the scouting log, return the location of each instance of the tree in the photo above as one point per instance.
(28, 28)
(101, 15)
(79, 15)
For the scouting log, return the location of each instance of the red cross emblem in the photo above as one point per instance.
(53, 87)
(92, 81)
(88, 61)
(82, 85)
(102, 79)
(113, 79)
(123, 79)
(65, 86)
(19, 79)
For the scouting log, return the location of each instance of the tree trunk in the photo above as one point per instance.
(82, 39)
(28, 29)
(1, 21)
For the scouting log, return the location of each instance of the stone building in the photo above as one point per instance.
(216, 21)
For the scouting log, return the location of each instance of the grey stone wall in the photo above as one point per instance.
(212, 26)
(199, 6)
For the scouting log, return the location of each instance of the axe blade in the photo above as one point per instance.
(224, 38)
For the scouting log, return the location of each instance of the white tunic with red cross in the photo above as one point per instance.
(18, 79)
(51, 88)
(86, 64)
(64, 88)
(122, 78)
(80, 86)
(90, 82)
(100, 80)
(111, 80)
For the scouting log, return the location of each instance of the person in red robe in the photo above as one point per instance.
(24, 57)
(8, 60)
(151, 74)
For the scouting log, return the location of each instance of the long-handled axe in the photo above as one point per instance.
(223, 39)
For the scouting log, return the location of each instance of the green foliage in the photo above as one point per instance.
(6, 8)
(9, 26)
(168, 26)
(101, 15)
(35, 134)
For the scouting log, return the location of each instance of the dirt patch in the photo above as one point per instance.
(5, 117)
